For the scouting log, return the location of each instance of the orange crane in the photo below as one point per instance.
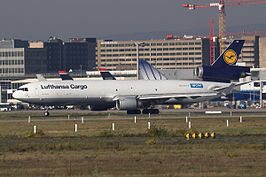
(246, 33)
(221, 7)
(211, 39)
(212, 43)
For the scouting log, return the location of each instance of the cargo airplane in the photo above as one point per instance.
(130, 95)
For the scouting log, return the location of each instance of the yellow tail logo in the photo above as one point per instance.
(230, 57)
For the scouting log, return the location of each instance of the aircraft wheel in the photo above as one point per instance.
(145, 111)
(46, 113)
(150, 111)
(155, 111)
(133, 111)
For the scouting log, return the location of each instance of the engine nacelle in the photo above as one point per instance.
(223, 74)
(199, 71)
(128, 103)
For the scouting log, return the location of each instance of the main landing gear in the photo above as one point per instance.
(144, 111)
(150, 111)
(133, 112)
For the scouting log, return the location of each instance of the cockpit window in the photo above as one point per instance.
(24, 89)
(256, 84)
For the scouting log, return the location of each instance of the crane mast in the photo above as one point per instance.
(221, 7)
(222, 29)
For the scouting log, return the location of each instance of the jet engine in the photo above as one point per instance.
(128, 103)
(199, 72)
(222, 74)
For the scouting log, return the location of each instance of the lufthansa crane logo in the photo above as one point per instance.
(230, 57)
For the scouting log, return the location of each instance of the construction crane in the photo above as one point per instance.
(221, 7)
(246, 33)
(212, 43)
(211, 38)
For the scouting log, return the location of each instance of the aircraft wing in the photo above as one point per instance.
(171, 98)
(235, 85)
(174, 96)
(180, 97)
(190, 96)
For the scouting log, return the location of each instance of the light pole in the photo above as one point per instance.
(137, 44)
(137, 50)
(250, 92)
(261, 98)
(80, 70)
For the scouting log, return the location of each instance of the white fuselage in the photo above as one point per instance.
(104, 92)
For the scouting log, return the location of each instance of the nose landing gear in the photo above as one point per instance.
(144, 111)
(46, 113)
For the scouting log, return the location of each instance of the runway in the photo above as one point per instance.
(78, 115)
(58, 140)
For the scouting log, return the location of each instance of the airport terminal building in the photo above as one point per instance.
(170, 53)
(75, 54)
(176, 58)
(19, 58)
(163, 54)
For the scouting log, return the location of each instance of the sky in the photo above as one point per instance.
(39, 19)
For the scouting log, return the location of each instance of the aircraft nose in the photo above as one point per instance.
(16, 95)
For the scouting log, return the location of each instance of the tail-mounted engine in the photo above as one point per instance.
(221, 74)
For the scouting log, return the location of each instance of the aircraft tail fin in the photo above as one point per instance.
(64, 75)
(106, 75)
(40, 77)
(148, 72)
(230, 56)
